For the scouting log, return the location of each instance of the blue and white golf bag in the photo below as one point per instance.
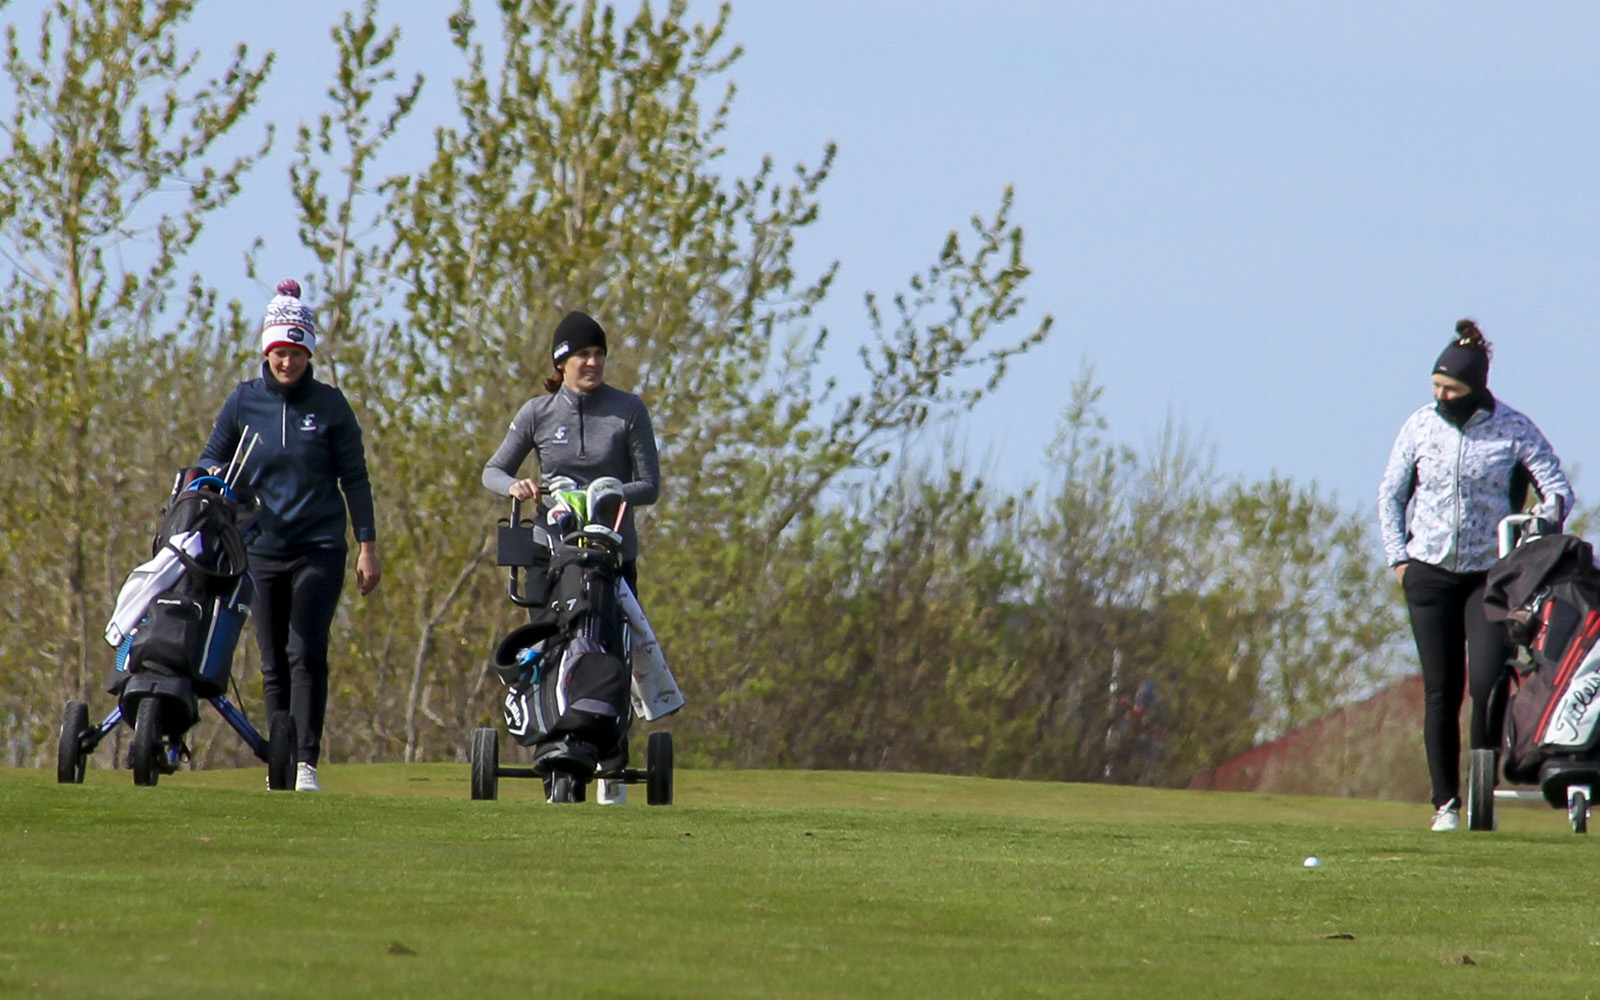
(181, 642)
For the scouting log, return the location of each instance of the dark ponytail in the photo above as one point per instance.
(1469, 336)
(552, 382)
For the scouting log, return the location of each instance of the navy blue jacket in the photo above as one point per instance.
(310, 449)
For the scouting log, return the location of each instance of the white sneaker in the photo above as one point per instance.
(610, 792)
(1447, 817)
(305, 779)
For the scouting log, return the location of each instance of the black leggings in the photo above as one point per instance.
(293, 608)
(1461, 651)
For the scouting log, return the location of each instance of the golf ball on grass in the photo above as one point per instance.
(1313, 862)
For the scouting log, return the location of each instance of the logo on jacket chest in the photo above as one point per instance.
(561, 435)
(308, 423)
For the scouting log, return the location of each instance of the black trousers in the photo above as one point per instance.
(293, 610)
(1461, 651)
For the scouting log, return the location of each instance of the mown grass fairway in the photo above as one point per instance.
(772, 884)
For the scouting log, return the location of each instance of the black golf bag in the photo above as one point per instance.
(566, 671)
(181, 649)
(1547, 591)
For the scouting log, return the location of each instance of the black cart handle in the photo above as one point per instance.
(516, 542)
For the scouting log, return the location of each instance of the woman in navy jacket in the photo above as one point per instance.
(307, 467)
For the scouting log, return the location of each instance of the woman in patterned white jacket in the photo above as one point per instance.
(1460, 464)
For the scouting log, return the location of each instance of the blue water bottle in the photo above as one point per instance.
(530, 658)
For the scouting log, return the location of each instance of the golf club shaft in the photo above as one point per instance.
(245, 460)
(227, 473)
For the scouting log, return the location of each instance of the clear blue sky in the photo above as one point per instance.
(1260, 218)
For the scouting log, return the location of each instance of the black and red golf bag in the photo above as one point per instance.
(1547, 591)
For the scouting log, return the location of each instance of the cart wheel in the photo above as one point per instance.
(561, 788)
(1578, 812)
(485, 763)
(70, 758)
(658, 765)
(281, 739)
(144, 758)
(1480, 790)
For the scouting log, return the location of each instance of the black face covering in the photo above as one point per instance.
(1469, 364)
(1459, 410)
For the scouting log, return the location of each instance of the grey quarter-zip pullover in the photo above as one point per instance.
(584, 436)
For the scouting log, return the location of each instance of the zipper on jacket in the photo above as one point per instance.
(283, 433)
(580, 424)
(1455, 531)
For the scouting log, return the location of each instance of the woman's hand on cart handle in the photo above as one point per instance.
(524, 489)
(1550, 510)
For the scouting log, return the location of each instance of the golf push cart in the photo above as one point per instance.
(585, 664)
(1546, 590)
(176, 624)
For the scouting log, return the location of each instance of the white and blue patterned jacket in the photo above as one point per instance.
(1460, 482)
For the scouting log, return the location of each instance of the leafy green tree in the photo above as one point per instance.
(825, 600)
(1247, 608)
(582, 174)
(106, 179)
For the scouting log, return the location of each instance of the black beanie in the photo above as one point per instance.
(575, 332)
(1466, 362)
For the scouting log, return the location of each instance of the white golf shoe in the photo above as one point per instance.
(610, 792)
(305, 778)
(1447, 817)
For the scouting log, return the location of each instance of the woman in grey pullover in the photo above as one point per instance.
(1460, 464)
(583, 429)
